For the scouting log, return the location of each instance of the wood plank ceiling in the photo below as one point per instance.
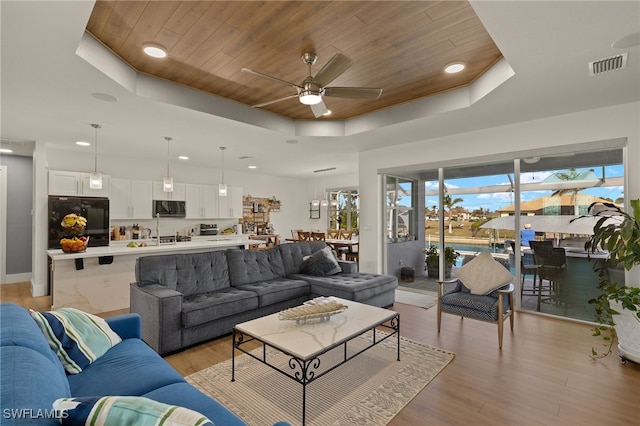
(400, 46)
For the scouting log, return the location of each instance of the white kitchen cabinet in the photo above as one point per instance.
(131, 199)
(178, 194)
(76, 184)
(230, 207)
(201, 201)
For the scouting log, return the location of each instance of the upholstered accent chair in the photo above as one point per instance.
(491, 301)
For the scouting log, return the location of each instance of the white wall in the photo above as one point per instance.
(619, 121)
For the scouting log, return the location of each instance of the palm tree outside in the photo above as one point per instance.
(450, 203)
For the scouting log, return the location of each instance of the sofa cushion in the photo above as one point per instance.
(158, 269)
(129, 368)
(125, 411)
(185, 395)
(77, 337)
(201, 272)
(278, 290)
(19, 329)
(483, 274)
(358, 287)
(250, 266)
(294, 254)
(30, 382)
(321, 263)
(206, 307)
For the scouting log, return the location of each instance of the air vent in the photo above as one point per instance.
(608, 64)
(244, 157)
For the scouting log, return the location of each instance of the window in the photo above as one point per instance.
(344, 209)
(400, 203)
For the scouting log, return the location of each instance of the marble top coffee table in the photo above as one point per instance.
(304, 343)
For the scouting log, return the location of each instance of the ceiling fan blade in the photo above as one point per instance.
(274, 101)
(268, 77)
(332, 69)
(319, 109)
(353, 92)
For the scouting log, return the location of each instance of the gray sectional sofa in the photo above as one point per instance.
(185, 299)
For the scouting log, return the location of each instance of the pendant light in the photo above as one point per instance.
(167, 181)
(222, 187)
(95, 178)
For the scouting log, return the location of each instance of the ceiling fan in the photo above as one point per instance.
(312, 89)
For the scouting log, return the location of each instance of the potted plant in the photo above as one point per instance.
(617, 306)
(432, 261)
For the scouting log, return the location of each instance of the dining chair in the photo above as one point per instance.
(304, 236)
(318, 236)
(333, 234)
(346, 234)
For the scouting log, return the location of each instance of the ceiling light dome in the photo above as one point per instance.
(310, 97)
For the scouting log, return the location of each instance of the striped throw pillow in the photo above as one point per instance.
(125, 411)
(78, 338)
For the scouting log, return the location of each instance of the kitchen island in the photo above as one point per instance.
(97, 280)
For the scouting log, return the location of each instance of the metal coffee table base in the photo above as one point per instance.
(306, 371)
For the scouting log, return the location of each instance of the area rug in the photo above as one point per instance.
(370, 389)
(423, 299)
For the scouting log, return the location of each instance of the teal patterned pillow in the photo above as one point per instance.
(125, 411)
(78, 338)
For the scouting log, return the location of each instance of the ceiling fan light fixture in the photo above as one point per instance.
(310, 97)
(454, 67)
(155, 50)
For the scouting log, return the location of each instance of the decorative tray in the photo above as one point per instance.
(323, 311)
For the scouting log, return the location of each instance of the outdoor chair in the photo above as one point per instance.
(486, 296)
(527, 267)
(552, 264)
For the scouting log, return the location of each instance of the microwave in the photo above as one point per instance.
(169, 208)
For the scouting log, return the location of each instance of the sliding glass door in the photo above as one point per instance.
(484, 207)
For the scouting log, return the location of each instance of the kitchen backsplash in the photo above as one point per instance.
(171, 226)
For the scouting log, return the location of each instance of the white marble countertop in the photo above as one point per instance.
(120, 248)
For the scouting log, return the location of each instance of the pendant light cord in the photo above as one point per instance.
(168, 154)
(95, 151)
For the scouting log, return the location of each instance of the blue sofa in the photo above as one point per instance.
(33, 377)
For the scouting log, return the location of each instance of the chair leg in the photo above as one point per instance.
(500, 331)
(539, 293)
(439, 317)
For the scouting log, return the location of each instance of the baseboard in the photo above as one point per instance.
(18, 278)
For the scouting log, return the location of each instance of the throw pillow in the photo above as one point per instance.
(78, 338)
(483, 274)
(124, 411)
(321, 264)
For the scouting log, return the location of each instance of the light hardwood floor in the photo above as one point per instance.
(542, 376)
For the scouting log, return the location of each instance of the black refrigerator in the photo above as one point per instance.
(94, 209)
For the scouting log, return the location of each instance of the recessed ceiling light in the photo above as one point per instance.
(104, 97)
(6, 150)
(183, 157)
(531, 160)
(454, 68)
(155, 50)
(626, 42)
(252, 167)
(83, 143)
(328, 112)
